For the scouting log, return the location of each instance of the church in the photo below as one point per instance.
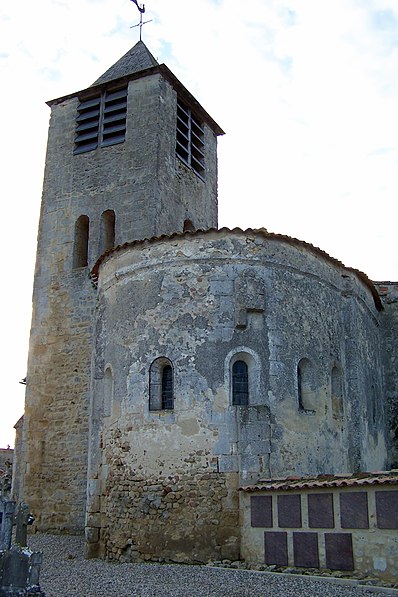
(180, 374)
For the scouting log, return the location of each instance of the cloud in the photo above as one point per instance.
(306, 92)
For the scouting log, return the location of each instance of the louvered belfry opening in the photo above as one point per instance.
(101, 121)
(190, 140)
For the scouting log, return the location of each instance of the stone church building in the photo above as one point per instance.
(175, 367)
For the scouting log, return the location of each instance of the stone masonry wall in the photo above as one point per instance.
(189, 515)
(56, 410)
(202, 300)
(346, 528)
(150, 194)
(389, 322)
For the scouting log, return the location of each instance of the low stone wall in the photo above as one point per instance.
(182, 518)
(345, 524)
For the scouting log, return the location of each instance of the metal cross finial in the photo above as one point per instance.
(140, 24)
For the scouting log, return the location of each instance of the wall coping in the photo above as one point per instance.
(321, 481)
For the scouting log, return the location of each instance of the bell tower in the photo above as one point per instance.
(133, 156)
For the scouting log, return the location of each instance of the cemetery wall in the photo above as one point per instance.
(337, 524)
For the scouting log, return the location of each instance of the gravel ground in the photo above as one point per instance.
(65, 572)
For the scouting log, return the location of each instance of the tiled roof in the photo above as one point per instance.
(324, 481)
(138, 58)
(249, 231)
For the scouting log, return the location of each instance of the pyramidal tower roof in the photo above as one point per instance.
(138, 58)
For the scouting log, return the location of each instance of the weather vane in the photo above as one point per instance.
(140, 24)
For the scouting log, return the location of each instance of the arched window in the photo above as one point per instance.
(305, 386)
(107, 232)
(240, 383)
(161, 393)
(243, 377)
(337, 393)
(80, 249)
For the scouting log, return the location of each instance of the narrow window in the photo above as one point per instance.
(240, 383)
(190, 139)
(107, 233)
(337, 394)
(161, 393)
(101, 121)
(80, 249)
(167, 388)
(304, 386)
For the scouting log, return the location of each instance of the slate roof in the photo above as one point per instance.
(325, 481)
(138, 58)
(136, 63)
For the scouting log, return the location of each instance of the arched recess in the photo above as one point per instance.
(243, 376)
(107, 231)
(337, 392)
(108, 391)
(305, 386)
(80, 247)
(161, 385)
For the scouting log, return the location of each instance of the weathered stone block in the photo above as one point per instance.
(92, 534)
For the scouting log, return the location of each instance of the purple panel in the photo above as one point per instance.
(387, 509)
(339, 555)
(320, 511)
(305, 547)
(261, 510)
(275, 548)
(354, 510)
(289, 511)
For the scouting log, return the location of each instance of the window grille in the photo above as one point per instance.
(101, 121)
(240, 383)
(190, 140)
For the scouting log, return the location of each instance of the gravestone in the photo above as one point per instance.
(19, 566)
(7, 508)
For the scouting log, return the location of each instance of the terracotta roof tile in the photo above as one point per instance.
(338, 480)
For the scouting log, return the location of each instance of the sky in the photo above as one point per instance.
(305, 90)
